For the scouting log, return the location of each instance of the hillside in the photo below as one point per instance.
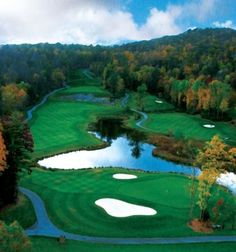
(204, 55)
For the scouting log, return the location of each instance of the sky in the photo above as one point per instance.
(108, 22)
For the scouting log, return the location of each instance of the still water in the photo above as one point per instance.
(127, 149)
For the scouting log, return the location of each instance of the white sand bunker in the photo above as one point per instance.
(124, 176)
(228, 180)
(209, 126)
(157, 101)
(119, 208)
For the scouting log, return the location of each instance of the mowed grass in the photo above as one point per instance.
(61, 126)
(91, 89)
(150, 104)
(40, 244)
(22, 211)
(188, 126)
(70, 196)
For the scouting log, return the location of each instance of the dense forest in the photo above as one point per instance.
(196, 70)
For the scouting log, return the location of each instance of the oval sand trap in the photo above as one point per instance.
(124, 176)
(119, 208)
(209, 126)
(157, 101)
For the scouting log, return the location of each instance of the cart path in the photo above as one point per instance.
(142, 120)
(44, 227)
(144, 115)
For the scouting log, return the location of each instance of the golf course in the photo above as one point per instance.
(62, 124)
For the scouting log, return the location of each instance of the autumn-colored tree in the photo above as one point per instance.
(58, 77)
(13, 239)
(204, 97)
(3, 153)
(212, 160)
(19, 144)
(224, 106)
(220, 95)
(191, 100)
(13, 97)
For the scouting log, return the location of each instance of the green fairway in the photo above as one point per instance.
(23, 212)
(60, 126)
(95, 90)
(188, 126)
(70, 198)
(40, 244)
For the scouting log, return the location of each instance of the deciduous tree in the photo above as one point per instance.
(212, 160)
(3, 153)
(13, 239)
(19, 144)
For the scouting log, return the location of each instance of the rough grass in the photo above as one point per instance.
(40, 244)
(69, 197)
(23, 212)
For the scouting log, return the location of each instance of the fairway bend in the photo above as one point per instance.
(45, 98)
(44, 227)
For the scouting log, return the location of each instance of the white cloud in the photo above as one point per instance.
(200, 10)
(226, 24)
(88, 21)
(161, 23)
(78, 21)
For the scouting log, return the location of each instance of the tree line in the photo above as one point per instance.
(189, 70)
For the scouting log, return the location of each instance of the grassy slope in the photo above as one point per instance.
(70, 195)
(23, 212)
(43, 245)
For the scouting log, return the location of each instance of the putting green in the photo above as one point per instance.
(189, 126)
(70, 198)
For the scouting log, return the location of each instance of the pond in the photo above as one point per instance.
(127, 149)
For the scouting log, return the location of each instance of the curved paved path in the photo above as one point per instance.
(44, 227)
(142, 120)
(124, 100)
(144, 115)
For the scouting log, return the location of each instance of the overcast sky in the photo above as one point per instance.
(107, 21)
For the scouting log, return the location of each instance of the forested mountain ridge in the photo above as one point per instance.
(195, 70)
(194, 36)
(187, 69)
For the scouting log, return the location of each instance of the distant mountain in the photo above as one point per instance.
(195, 37)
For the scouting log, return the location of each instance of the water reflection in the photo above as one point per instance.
(126, 149)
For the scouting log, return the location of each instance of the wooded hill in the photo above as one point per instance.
(195, 70)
